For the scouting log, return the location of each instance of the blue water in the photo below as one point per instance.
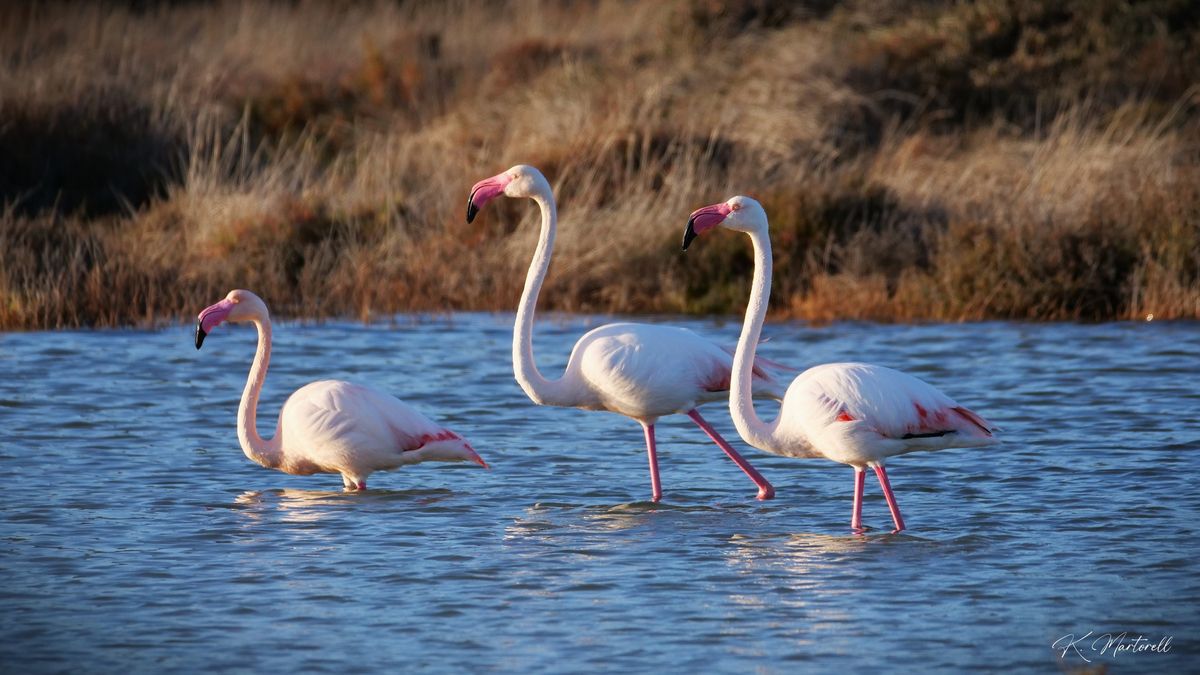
(137, 538)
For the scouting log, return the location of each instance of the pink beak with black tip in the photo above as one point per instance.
(704, 219)
(484, 191)
(210, 318)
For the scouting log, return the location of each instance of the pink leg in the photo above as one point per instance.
(652, 453)
(765, 491)
(891, 498)
(860, 477)
(362, 485)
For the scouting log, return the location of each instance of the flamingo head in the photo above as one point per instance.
(740, 213)
(446, 446)
(239, 305)
(521, 180)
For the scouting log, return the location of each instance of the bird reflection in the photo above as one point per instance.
(549, 516)
(625, 516)
(309, 506)
(803, 556)
(804, 575)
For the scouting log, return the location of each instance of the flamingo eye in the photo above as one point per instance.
(736, 206)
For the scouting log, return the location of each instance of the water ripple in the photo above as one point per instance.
(138, 538)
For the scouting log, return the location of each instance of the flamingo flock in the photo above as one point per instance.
(852, 413)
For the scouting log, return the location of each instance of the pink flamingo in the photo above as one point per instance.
(641, 371)
(330, 426)
(854, 413)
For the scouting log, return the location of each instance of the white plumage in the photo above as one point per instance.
(854, 413)
(352, 429)
(638, 370)
(645, 371)
(859, 414)
(330, 426)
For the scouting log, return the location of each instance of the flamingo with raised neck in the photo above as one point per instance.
(330, 426)
(854, 413)
(641, 371)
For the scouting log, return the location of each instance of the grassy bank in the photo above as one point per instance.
(919, 160)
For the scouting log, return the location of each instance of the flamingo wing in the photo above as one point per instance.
(336, 424)
(651, 370)
(646, 370)
(889, 403)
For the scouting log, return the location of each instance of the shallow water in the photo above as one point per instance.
(137, 538)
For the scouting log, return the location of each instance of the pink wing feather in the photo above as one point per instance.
(895, 404)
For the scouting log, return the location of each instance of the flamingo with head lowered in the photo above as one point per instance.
(641, 371)
(854, 413)
(330, 426)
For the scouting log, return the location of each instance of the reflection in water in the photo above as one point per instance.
(292, 506)
(633, 515)
(803, 557)
(542, 519)
(794, 547)
(307, 506)
(814, 576)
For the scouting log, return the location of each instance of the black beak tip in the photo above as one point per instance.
(472, 210)
(688, 235)
(200, 335)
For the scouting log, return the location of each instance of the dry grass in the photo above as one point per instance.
(919, 160)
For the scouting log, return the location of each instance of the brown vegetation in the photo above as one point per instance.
(923, 160)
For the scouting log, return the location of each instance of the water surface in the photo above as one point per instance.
(137, 538)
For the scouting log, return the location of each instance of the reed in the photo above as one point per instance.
(919, 161)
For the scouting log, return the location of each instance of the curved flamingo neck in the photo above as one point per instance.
(753, 430)
(538, 388)
(264, 452)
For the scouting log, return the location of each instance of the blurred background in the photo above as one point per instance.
(922, 160)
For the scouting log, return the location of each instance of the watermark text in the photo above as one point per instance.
(1091, 645)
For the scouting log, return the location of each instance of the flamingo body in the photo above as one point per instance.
(861, 414)
(646, 371)
(332, 426)
(329, 426)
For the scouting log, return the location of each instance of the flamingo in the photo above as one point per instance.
(641, 371)
(330, 426)
(854, 413)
